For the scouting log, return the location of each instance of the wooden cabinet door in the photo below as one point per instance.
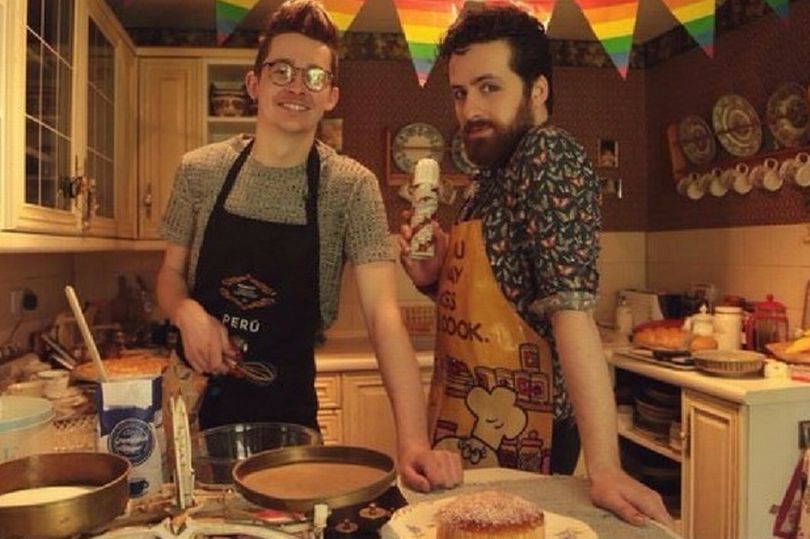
(169, 125)
(710, 481)
(367, 417)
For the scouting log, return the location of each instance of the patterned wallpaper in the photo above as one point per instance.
(752, 62)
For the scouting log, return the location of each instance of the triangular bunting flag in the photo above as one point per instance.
(697, 16)
(541, 9)
(613, 23)
(781, 7)
(229, 14)
(343, 12)
(423, 23)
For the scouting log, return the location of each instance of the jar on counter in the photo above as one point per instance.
(728, 327)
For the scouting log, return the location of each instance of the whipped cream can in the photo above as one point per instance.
(425, 203)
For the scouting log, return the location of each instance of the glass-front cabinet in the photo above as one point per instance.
(69, 120)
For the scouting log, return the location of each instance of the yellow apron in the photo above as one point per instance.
(492, 392)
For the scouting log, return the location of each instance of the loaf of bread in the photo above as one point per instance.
(668, 338)
(702, 342)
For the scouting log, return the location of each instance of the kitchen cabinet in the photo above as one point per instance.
(175, 117)
(168, 127)
(740, 447)
(354, 408)
(68, 130)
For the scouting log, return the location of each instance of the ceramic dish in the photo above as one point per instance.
(737, 125)
(459, 155)
(696, 140)
(729, 363)
(419, 520)
(788, 114)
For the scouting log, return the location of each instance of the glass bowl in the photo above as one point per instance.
(215, 451)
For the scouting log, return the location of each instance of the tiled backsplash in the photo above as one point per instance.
(746, 261)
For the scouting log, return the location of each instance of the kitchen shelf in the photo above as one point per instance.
(627, 431)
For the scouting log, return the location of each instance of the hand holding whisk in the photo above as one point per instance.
(255, 372)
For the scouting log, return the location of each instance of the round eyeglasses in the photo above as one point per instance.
(282, 73)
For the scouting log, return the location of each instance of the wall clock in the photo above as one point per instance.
(414, 142)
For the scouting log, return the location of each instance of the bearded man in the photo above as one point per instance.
(515, 280)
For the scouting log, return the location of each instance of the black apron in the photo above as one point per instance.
(260, 280)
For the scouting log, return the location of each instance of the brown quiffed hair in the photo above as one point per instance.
(305, 17)
(525, 34)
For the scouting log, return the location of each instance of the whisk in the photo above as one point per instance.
(255, 372)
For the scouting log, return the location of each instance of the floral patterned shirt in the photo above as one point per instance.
(540, 221)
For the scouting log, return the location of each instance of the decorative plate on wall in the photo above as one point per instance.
(459, 155)
(414, 142)
(737, 125)
(788, 114)
(696, 140)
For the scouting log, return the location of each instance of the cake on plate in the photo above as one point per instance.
(490, 514)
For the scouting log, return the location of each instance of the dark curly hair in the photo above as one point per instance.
(306, 17)
(525, 34)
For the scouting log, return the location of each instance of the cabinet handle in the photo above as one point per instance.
(684, 434)
(147, 201)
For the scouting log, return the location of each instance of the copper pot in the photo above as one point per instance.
(83, 513)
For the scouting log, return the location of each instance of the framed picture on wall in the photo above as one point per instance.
(607, 153)
(331, 132)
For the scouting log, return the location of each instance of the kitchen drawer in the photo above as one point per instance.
(331, 423)
(327, 388)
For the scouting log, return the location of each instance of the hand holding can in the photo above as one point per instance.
(425, 201)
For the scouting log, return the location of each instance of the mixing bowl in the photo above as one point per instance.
(215, 451)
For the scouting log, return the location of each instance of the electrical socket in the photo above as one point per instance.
(16, 297)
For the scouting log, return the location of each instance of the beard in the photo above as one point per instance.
(495, 149)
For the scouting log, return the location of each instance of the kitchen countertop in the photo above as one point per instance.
(744, 390)
(356, 353)
(564, 495)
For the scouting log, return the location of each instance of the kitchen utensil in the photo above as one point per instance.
(104, 475)
(256, 372)
(86, 335)
(215, 451)
(338, 476)
(729, 363)
(768, 323)
(60, 354)
(737, 125)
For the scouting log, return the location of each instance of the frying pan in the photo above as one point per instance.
(341, 460)
(83, 513)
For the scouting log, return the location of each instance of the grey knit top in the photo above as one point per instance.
(351, 214)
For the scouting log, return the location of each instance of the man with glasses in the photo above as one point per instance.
(258, 228)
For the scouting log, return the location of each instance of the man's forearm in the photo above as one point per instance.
(400, 374)
(172, 290)
(588, 383)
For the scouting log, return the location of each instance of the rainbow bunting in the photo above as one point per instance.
(697, 16)
(781, 7)
(613, 22)
(423, 23)
(343, 12)
(540, 9)
(229, 14)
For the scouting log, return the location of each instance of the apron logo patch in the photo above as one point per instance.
(247, 292)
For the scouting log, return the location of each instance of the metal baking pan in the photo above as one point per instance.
(105, 473)
(322, 467)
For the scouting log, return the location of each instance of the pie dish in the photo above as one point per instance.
(696, 140)
(788, 114)
(414, 142)
(737, 125)
(460, 159)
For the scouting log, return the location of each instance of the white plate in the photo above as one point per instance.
(418, 520)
